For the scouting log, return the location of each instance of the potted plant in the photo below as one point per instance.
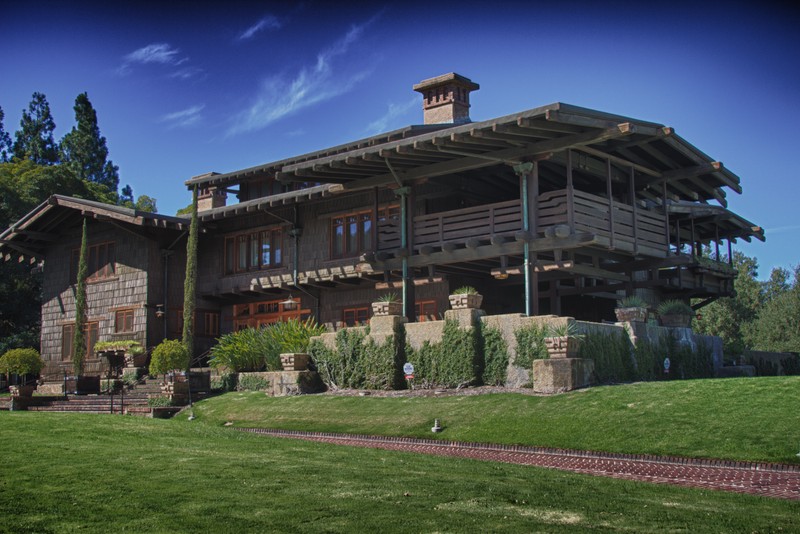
(631, 309)
(388, 304)
(21, 362)
(675, 314)
(170, 356)
(562, 340)
(465, 297)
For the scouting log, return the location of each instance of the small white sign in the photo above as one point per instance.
(408, 368)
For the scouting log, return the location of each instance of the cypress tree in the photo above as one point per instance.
(79, 340)
(84, 150)
(5, 140)
(34, 139)
(191, 279)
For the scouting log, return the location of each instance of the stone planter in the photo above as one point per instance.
(387, 308)
(22, 391)
(83, 385)
(562, 347)
(631, 315)
(676, 321)
(466, 301)
(294, 361)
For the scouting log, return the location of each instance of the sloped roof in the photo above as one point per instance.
(29, 236)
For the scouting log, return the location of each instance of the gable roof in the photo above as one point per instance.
(29, 236)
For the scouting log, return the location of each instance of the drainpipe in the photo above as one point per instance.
(294, 233)
(403, 194)
(522, 170)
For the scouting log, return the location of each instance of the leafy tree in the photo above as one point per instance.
(84, 150)
(777, 327)
(191, 278)
(79, 340)
(725, 316)
(34, 139)
(169, 355)
(143, 203)
(5, 140)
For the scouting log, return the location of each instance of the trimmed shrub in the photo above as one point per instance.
(612, 356)
(21, 362)
(530, 345)
(249, 382)
(455, 362)
(169, 355)
(495, 355)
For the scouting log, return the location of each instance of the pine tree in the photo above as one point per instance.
(5, 141)
(79, 339)
(34, 139)
(191, 278)
(84, 150)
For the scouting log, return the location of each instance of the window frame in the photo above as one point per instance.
(245, 251)
(105, 251)
(127, 315)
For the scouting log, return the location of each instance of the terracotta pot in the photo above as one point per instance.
(631, 315)
(562, 347)
(387, 308)
(466, 301)
(676, 321)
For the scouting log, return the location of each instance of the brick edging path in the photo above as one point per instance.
(765, 479)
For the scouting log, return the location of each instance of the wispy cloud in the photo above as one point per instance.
(158, 54)
(183, 118)
(269, 22)
(393, 112)
(782, 229)
(279, 96)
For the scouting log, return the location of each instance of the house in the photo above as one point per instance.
(558, 209)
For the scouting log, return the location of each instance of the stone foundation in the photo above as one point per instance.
(285, 383)
(562, 374)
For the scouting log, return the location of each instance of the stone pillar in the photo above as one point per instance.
(558, 375)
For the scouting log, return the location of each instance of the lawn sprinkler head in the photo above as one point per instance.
(437, 427)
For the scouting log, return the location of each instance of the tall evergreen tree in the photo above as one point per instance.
(5, 140)
(34, 139)
(191, 279)
(84, 150)
(79, 339)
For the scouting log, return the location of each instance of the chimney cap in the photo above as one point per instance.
(451, 77)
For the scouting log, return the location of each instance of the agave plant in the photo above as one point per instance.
(465, 290)
(388, 297)
(674, 307)
(632, 301)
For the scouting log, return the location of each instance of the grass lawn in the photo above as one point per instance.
(741, 419)
(102, 473)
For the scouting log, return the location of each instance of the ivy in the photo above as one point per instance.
(530, 346)
(495, 353)
(612, 357)
(455, 362)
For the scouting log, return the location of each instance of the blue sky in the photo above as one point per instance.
(184, 88)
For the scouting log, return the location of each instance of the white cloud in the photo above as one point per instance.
(268, 22)
(279, 96)
(782, 229)
(394, 111)
(158, 54)
(184, 118)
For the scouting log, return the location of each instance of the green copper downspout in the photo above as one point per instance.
(403, 194)
(522, 170)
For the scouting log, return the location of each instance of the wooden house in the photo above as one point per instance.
(558, 209)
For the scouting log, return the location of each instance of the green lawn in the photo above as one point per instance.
(65, 473)
(741, 419)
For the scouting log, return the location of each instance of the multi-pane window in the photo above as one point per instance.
(355, 316)
(256, 250)
(101, 262)
(91, 332)
(351, 234)
(211, 324)
(426, 310)
(123, 321)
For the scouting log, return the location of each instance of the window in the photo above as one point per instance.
(91, 332)
(355, 316)
(211, 324)
(351, 234)
(426, 310)
(101, 262)
(123, 321)
(257, 250)
(257, 314)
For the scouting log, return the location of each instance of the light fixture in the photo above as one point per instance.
(160, 311)
(289, 304)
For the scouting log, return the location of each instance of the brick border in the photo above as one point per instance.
(757, 478)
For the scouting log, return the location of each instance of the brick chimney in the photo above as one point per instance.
(445, 98)
(212, 197)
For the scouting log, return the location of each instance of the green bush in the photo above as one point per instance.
(259, 349)
(161, 401)
(249, 382)
(791, 365)
(495, 354)
(225, 382)
(21, 362)
(455, 362)
(612, 356)
(169, 355)
(530, 346)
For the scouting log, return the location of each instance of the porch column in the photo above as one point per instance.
(529, 195)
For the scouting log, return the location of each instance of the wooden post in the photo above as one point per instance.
(695, 250)
(716, 240)
(375, 219)
(634, 214)
(610, 205)
(570, 194)
(666, 214)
